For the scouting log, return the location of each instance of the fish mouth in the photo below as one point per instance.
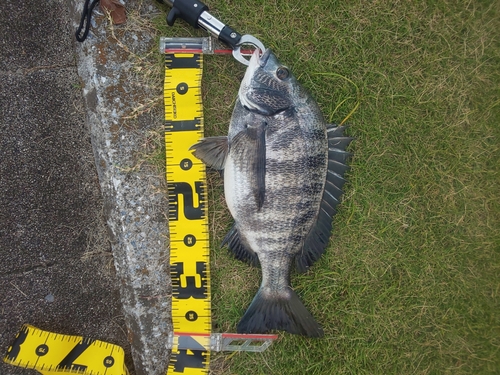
(246, 90)
(263, 59)
(253, 65)
(257, 60)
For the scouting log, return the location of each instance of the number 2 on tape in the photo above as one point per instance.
(52, 353)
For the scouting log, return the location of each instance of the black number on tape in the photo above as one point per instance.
(108, 361)
(68, 361)
(41, 350)
(191, 316)
(174, 62)
(191, 212)
(15, 348)
(189, 240)
(182, 88)
(183, 359)
(186, 164)
(183, 125)
(190, 290)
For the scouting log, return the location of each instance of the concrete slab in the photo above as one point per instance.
(56, 271)
(46, 155)
(35, 34)
(136, 205)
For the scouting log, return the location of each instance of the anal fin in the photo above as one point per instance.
(240, 250)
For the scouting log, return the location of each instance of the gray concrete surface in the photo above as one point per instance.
(73, 237)
(135, 202)
(51, 206)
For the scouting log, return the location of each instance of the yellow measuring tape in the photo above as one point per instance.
(188, 221)
(52, 353)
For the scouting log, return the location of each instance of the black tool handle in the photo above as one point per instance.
(196, 14)
(188, 10)
(229, 36)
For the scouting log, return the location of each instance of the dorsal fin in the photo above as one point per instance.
(319, 235)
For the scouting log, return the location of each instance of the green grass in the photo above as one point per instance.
(410, 282)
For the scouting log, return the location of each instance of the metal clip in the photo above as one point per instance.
(219, 342)
(247, 40)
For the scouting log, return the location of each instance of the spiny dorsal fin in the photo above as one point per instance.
(317, 239)
(212, 151)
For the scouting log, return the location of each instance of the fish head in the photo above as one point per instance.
(268, 87)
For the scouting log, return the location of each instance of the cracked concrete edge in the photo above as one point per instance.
(135, 204)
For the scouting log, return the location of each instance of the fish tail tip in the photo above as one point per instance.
(267, 313)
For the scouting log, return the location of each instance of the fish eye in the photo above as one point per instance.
(282, 73)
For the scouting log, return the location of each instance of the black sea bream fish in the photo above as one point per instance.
(283, 174)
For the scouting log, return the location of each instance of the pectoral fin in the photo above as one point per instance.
(260, 169)
(250, 147)
(212, 151)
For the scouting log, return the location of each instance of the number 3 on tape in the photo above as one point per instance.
(52, 353)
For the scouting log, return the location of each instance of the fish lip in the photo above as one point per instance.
(256, 62)
(264, 57)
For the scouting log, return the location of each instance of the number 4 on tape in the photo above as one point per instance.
(52, 353)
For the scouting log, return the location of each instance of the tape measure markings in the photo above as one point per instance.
(188, 219)
(50, 352)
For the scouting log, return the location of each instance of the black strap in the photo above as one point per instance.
(86, 15)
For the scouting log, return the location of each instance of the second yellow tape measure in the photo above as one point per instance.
(52, 353)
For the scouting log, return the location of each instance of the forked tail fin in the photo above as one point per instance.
(268, 312)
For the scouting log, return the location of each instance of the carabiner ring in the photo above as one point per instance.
(247, 39)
